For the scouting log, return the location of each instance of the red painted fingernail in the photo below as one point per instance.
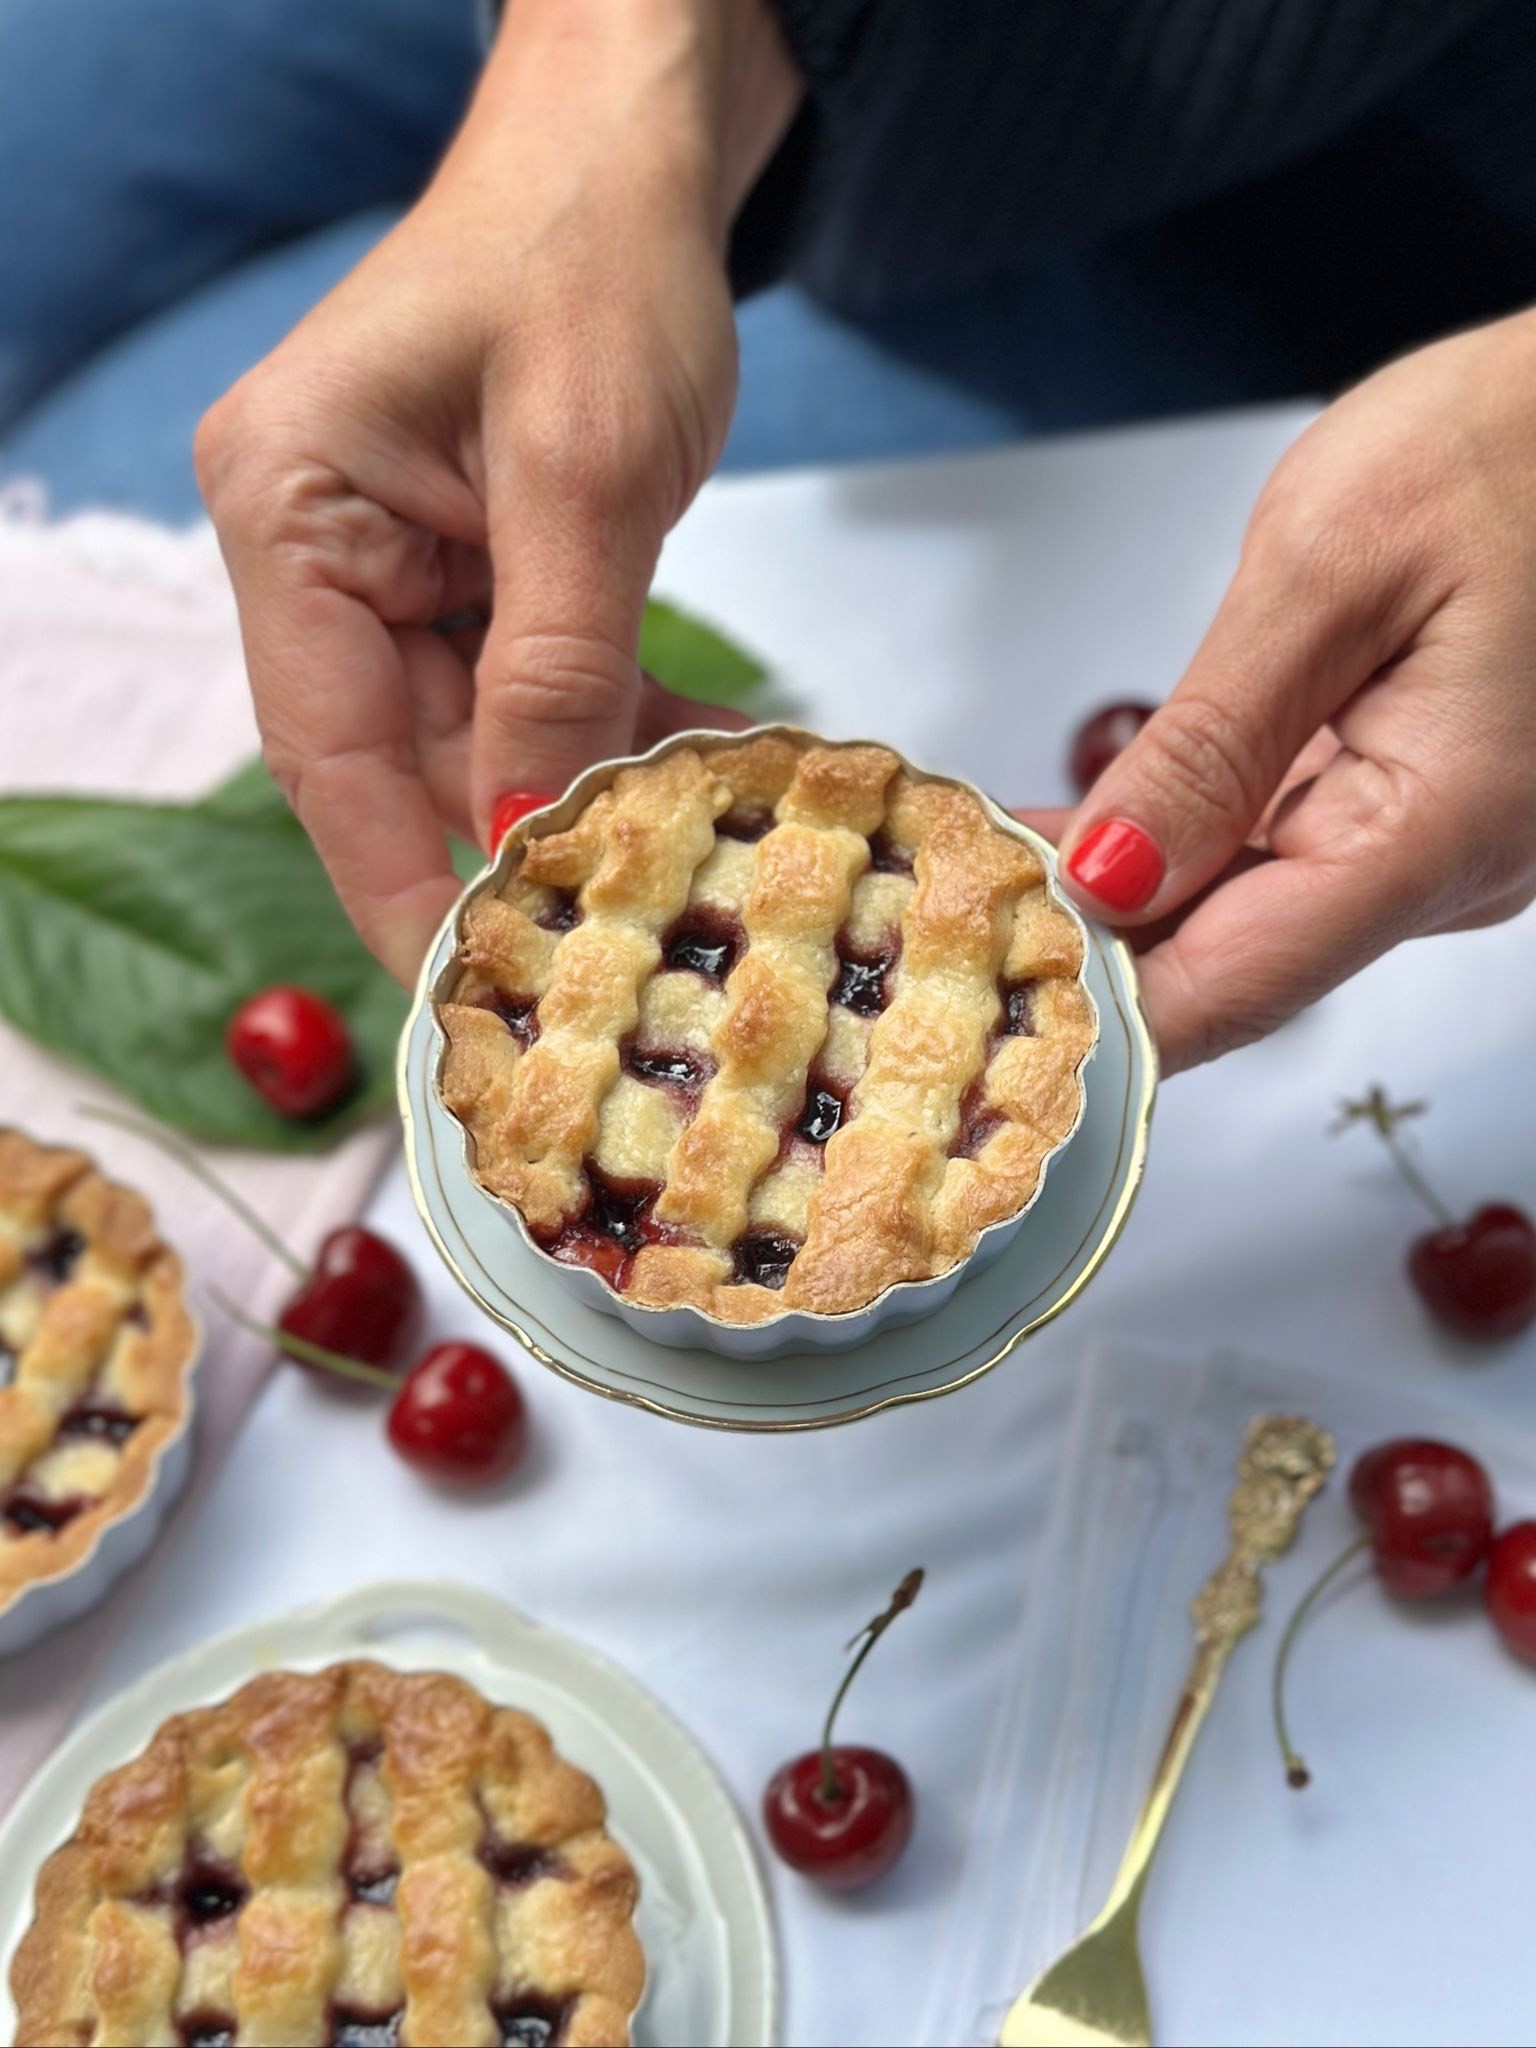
(511, 805)
(1119, 864)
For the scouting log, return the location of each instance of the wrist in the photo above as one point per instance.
(697, 93)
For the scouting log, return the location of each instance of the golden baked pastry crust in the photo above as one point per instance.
(356, 1854)
(774, 1025)
(96, 1343)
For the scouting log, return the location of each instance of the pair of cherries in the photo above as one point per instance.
(1429, 1525)
(456, 1413)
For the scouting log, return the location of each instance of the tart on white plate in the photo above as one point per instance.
(347, 1858)
(770, 1025)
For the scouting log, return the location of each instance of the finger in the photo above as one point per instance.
(1348, 884)
(333, 700)
(558, 685)
(441, 687)
(1295, 636)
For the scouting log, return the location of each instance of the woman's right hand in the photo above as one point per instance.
(501, 412)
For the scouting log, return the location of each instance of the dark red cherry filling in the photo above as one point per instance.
(860, 984)
(674, 1067)
(35, 1514)
(529, 2021)
(562, 915)
(886, 857)
(206, 2030)
(55, 1260)
(209, 1891)
(977, 1122)
(704, 941)
(353, 2026)
(1018, 1018)
(98, 1421)
(763, 1257)
(521, 1863)
(520, 1014)
(616, 1223)
(824, 1110)
(748, 825)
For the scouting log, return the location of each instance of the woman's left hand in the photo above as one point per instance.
(1350, 758)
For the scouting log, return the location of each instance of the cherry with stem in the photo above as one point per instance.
(456, 1416)
(838, 1813)
(360, 1297)
(1476, 1277)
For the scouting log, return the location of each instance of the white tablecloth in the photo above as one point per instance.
(970, 611)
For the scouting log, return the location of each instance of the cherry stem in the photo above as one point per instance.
(866, 1639)
(1384, 1116)
(1297, 1776)
(140, 1127)
(307, 1353)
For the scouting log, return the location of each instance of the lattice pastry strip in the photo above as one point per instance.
(631, 858)
(95, 1343)
(815, 1090)
(333, 1860)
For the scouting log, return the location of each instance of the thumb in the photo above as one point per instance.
(1171, 811)
(557, 686)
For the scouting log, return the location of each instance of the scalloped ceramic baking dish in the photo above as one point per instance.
(44, 1605)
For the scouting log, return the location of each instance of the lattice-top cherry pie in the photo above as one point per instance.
(773, 1025)
(356, 1856)
(95, 1347)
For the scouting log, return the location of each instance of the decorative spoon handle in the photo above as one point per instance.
(1285, 1461)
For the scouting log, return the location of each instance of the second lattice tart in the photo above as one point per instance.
(351, 1857)
(770, 1025)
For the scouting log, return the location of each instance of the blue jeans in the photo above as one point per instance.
(181, 179)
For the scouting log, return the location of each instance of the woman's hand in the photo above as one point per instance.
(500, 413)
(1350, 759)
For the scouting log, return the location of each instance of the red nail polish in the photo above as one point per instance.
(1119, 864)
(511, 805)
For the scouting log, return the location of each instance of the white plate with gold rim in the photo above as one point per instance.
(1064, 1239)
(703, 1917)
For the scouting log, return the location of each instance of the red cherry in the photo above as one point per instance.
(459, 1416)
(512, 805)
(362, 1300)
(847, 1840)
(1479, 1277)
(1511, 1588)
(841, 1815)
(1429, 1510)
(1100, 738)
(293, 1048)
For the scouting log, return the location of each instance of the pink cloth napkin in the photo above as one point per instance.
(121, 672)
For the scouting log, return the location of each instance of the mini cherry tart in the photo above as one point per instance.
(772, 1026)
(351, 1856)
(96, 1348)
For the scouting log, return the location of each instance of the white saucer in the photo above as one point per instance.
(703, 1916)
(1080, 1212)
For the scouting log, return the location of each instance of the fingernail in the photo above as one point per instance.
(1119, 864)
(511, 805)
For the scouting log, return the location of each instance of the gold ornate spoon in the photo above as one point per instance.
(1096, 1992)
